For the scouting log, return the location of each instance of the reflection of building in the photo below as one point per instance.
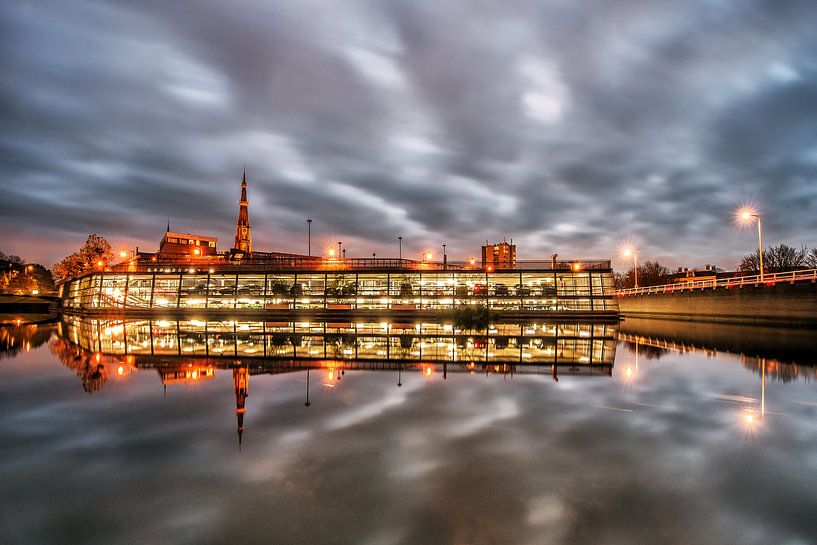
(185, 375)
(499, 257)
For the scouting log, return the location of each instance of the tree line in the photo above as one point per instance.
(780, 258)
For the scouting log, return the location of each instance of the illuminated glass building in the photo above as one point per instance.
(194, 276)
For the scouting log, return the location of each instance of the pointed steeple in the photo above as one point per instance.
(168, 225)
(243, 238)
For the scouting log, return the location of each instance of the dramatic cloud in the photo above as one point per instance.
(567, 126)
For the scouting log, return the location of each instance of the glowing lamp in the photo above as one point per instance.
(197, 251)
(123, 253)
(429, 255)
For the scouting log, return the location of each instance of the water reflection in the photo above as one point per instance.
(785, 354)
(414, 451)
(188, 352)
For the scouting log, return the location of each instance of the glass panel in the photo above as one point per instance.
(250, 291)
(222, 291)
(113, 291)
(139, 290)
(166, 291)
(194, 291)
(312, 288)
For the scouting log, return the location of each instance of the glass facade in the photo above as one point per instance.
(545, 291)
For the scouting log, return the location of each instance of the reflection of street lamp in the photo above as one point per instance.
(631, 252)
(745, 215)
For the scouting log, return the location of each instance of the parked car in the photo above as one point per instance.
(522, 290)
(500, 289)
(480, 289)
(462, 290)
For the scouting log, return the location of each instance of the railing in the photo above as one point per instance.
(769, 279)
(284, 262)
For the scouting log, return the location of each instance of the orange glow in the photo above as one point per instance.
(489, 268)
(153, 258)
(120, 370)
(194, 375)
(331, 252)
(98, 357)
(577, 266)
(428, 372)
(99, 263)
(330, 376)
(472, 261)
(429, 255)
(123, 253)
(746, 213)
(197, 251)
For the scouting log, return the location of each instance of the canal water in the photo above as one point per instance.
(647, 432)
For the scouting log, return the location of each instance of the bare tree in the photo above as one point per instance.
(775, 259)
(650, 273)
(811, 259)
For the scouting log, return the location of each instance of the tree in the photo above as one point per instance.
(811, 259)
(95, 249)
(778, 258)
(12, 258)
(650, 273)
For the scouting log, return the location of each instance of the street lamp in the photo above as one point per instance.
(309, 238)
(746, 214)
(429, 255)
(631, 252)
(339, 247)
(445, 257)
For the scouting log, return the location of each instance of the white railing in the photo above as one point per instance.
(769, 279)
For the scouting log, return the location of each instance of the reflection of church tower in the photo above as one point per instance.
(243, 239)
(241, 384)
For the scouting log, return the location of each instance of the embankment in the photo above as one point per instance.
(778, 304)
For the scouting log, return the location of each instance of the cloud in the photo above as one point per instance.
(446, 122)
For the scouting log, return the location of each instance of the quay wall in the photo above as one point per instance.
(778, 304)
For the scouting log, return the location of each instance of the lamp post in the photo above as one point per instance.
(628, 252)
(339, 250)
(309, 238)
(746, 216)
(400, 254)
(445, 258)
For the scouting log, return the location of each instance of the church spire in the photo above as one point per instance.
(243, 238)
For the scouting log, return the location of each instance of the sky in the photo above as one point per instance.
(570, 127)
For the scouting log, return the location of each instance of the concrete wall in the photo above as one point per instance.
(776, 304)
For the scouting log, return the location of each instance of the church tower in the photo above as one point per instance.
(243, 239)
